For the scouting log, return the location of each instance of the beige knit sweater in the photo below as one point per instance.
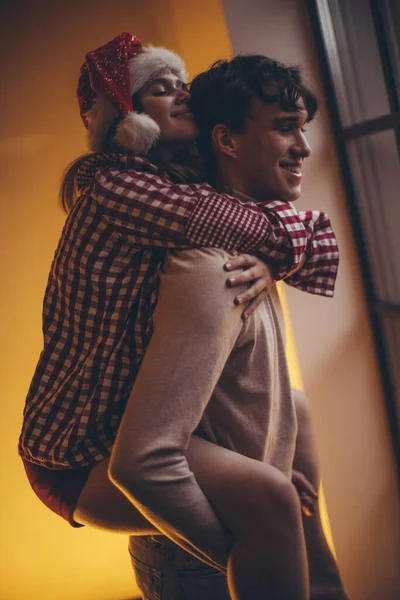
(209, 372)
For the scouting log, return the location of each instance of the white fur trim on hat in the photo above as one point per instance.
(137, 132)
(151, 61)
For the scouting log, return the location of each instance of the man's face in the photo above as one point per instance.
(270, 152)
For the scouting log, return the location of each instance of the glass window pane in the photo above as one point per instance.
(391, 17)
(361, 92)
(376, 174)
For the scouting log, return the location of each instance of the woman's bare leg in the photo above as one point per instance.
(104, 506)
(254, 501)
(261, 507)
(325, 581)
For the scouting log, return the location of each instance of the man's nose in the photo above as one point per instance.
(301, 147)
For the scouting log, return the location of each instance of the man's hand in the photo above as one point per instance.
(255, 272)
(306, 491)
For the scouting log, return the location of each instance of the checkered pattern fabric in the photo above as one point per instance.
(318, 274)
(102, 291)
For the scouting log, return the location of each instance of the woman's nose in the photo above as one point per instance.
(182, 95)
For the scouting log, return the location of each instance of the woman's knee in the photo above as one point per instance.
(273, 504)
(243, 491)
(282, 497)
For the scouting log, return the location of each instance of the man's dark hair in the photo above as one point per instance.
(222, 95)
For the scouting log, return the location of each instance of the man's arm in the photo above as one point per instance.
(196, 326)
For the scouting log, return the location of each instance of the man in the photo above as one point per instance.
(226, 379)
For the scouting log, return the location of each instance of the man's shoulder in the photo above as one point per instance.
(207, 260)
(194, 283)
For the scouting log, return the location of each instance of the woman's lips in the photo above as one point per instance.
(183, 115)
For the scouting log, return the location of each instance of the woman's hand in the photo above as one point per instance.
(306, 491)
(256, 272)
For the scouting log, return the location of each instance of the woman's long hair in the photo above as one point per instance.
(185, 167)
(68, 191)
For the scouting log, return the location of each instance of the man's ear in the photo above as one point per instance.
(223, 141)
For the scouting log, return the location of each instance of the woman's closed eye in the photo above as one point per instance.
(163, 89)
(159, 90)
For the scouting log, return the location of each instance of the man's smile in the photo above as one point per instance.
(293, 168)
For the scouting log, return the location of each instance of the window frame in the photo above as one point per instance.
(325, 40)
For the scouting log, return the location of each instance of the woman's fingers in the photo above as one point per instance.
(240, 261)
(255, 272)
(307, 505)
(254, 290)
(306, 492)
(259, 286)
(253, 268)
(302, 484)
(254, 304)
(248, 275)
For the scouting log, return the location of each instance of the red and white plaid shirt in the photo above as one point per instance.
(102, 291)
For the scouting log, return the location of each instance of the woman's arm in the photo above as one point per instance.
(147, 210)
(150, 211)
(321, 259)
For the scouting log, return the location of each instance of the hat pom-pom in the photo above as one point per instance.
(137, 132)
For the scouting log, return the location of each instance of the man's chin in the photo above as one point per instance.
(291, 196)
(283, 193)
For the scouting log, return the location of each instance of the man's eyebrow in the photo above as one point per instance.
(286, 118)
(291, 119)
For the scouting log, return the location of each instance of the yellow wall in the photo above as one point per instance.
(44, 42)
(42, 557)
(297, 381)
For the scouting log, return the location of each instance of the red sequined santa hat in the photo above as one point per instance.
(109, 77)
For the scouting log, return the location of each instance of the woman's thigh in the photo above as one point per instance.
(104, 506)
(248, 496)
(241, 490)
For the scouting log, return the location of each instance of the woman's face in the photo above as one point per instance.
(165, 99)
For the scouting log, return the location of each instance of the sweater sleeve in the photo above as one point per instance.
(147, 210)
(196, 327)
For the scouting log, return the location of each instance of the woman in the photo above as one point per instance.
(103, 286)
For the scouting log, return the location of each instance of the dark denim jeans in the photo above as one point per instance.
(164, 571)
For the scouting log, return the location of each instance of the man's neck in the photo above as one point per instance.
(238, 194)
(235, 187)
